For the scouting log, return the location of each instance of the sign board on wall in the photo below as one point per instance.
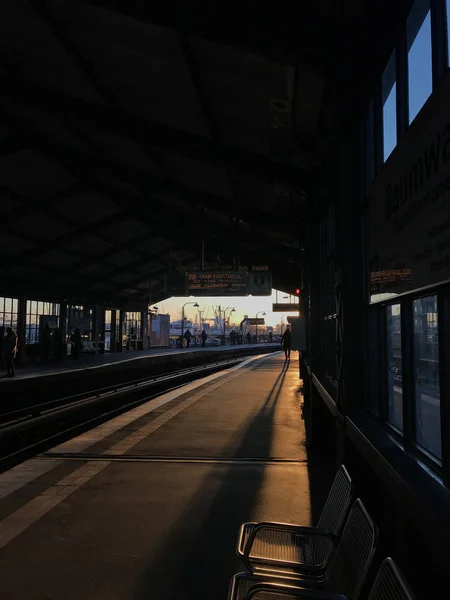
(409, 207)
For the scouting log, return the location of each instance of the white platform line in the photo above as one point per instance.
(21, 519)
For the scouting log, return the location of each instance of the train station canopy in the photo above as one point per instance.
(135, 133)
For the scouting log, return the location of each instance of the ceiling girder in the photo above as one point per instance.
(79, 112)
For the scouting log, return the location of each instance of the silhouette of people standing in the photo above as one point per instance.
(187, 337)
(9, 351)
(203, 336)
(75, 338)
(286, 342)
(249, 338)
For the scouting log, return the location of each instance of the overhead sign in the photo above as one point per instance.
(287, 307)
(219, 283)
(256, 321)
(409, 206)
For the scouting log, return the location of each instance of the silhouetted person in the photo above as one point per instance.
(45, 343)
(187, 337)
(249, 338)
(58, 346)
(75, 338)
(203, 336)
(270, 337)
(286, 342)
(9, 351)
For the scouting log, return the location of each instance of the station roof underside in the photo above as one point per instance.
(131, 132)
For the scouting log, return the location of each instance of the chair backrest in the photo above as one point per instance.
(389, 584)
(337, 503)
(333, 515)
(354, 553)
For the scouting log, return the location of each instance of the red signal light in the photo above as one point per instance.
(297, 291)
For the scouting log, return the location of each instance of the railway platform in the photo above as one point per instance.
(88, 362)
(149, 503)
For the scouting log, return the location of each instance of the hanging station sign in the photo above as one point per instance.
(219, 283)
(285, 307)
(256, 321)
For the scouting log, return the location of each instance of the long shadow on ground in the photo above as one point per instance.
(198, 559)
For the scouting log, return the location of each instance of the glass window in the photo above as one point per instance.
(389, 98)
(420, 77)
(426, 375)
(8, 312)
(35, 310)
(394, 365)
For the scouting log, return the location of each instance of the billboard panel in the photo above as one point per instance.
(409, 207)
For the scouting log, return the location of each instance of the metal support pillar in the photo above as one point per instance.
(121, 330)
(112, 333)
(21, 325)
(145, 330)
(63, 320)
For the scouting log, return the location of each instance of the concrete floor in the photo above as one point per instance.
(139, 515)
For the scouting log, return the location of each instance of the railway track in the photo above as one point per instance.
(30, 430)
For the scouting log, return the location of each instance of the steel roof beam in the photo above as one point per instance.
(282, 47)
(115, 121)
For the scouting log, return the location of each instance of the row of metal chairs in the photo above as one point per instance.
(327, 562)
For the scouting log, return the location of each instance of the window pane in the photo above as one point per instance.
(389, 97)
(394, 364)
(426, 374)
(419, 64)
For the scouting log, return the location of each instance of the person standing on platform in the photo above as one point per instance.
(75, 338)
(187, 337)
(203, 336)
(10, 351)
(286, 342)
(249, 338)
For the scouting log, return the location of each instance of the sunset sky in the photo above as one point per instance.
(244, 305)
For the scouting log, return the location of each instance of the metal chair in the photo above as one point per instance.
(389, 584)
(287, 547)
(344, 574)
